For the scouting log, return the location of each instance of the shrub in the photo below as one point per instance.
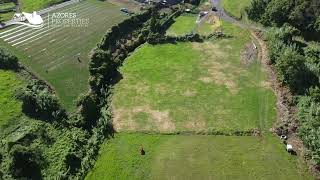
(39, 102)
(89, 110)
(26, 163)
(309, 120)
(7, 60)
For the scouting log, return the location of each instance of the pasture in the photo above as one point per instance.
(60, 55)
(10, 108)
(195, 157)
(236, 7)
(186, 24)
(194, 87)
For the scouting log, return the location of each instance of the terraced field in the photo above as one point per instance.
(186, 89)
(60, 55)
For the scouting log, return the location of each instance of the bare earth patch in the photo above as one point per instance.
(249, 54)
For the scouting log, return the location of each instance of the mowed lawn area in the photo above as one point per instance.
(52, 52)
(196, 157)
(197, 87)
(186, 24)
(236, 7)
(35, 5)
(10, 108)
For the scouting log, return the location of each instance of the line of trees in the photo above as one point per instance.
(301, 14)
(298, 66)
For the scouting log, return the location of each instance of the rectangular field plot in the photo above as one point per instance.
(60, 55)
(196, 157)
(193, 87)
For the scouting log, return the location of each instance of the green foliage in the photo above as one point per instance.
(26, 162)
(291, 69)
(256, 10)
(7, 60)
(38, 101)
(302, 14)
(312, 53)
(309, 118)
(88, 111)
(290, 62)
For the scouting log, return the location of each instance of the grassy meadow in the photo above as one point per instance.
(183, 25)
(235, 7)
(195, 157)
(32, 5)
(52, 52)
(186, 24)
(197, 87)
(10, 108)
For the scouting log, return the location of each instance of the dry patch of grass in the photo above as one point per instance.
(142, 118)
(217, 66)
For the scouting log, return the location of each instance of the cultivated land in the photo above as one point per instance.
(193, 87)
(236, 7)
(10, 108)
(52, 52)
(195, 157)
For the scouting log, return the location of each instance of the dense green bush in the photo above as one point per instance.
(26, 163)
(309, 119)
(302, 14)
(312, 52)
(39, 102)
(297, 66)
(7, 60)
(289, 59)
(89, 110)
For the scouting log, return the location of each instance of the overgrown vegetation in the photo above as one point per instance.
(301, 14)
(297, 61)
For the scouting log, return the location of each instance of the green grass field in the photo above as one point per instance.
(52, 52)
(183, 25)
(196, 157)
(235, 7)
(198, 87)
(187, 24)
(8, 15)
(32, 5)
(10, 108)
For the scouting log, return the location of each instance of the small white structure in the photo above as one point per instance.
(33, 18)
(187, 10)
(289, 148)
